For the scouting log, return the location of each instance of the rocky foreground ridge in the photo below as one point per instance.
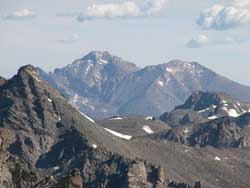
(45, 142)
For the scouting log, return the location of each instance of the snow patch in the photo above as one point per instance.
(61, 154)
(170, 70)
(186, 130)
(56, 168)
(213, 117)
(147, 129)
(231, 112)
(87, 117)
(103, 61)
(160, 83)
(87, 69)
(149, 118)
(94, 146)
(50, 100)
(126, 137)
(217, 159)
(224, 102)
(204, 110)
(116, 118)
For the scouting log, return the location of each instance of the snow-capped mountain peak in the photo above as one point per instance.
(108, 85)
(98, 57)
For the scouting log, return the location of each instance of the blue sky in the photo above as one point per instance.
(51, 34)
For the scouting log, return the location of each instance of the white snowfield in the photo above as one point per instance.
(147, 129)
(212, 117)
(123, 136)
(50, 100)
(116, 118)
(87, 117)
(217, 159)
(102, 61)
(204, 110)
(149, 118)
(231, 112)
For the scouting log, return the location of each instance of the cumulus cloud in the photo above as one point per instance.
(20, 15)
(221, 17)
(151, 7)
(127, 9)
(70, 39)
(198, 41)
(203, 40)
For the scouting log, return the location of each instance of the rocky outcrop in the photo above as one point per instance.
(181, 117)
(74, 180)
(205, 106)
(105, 169)
(225, 132)
(15, 174)
(137, 176)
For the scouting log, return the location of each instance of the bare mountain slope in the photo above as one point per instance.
(103, 85)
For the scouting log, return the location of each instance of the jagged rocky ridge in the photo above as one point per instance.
(213, 119)
(44, 139)
(103, 85)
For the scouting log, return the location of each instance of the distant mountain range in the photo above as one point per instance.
(102, 85)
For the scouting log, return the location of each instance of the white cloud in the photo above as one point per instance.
(150, 7)
(198, 42)
(203, 40)
(221, 17)
(71, 39)
(20, 15)
(127, 9)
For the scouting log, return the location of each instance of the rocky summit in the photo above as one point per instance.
(102, 85)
